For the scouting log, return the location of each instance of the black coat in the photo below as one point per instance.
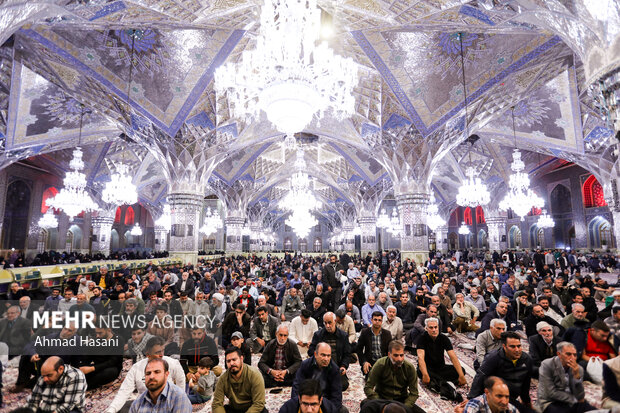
(291, 356)
(539, 349)
(15, 337)
(189, 287)
(292, 406)
(364, 344)
(329, 378)
(530, 325)
(193, 352)
(343, 349)
(331, 274)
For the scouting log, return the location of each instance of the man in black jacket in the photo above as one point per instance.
(199, 346)
(405, 311)
(542, 345)
(280, 371)
(186, 284)
(502, 312)
(332, 272)
(104, 363)
(320, 367)
(538, 314)
(15, 331)
(263, 330)
(368, 353)
(511, 364)
(338, 341)
(237, 320)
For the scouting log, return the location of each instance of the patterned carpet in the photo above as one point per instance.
(98, 400)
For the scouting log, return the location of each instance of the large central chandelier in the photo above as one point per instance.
(520, 198)
(301, 221)
(120, 190)
(473, 192)
(287, 75)
(433, 219)
(73, 198)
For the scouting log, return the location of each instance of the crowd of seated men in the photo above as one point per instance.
(310, 320)
(16, 259)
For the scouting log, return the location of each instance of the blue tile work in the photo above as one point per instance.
(368, 129)
(476, 14)
(202, 120)
(98, 162)
(249, 161)
(598, 133)
(401, 96)
(396, 121)
(109, 9)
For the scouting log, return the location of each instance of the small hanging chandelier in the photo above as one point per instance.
(136, 231)
(545, 220)
(120, 190)
(464, 229)
(520, 198)
(473, 192)
(395, 227)
(383, 221)
(48, 220)
(165, 220)
(433, 219)
(73, 198)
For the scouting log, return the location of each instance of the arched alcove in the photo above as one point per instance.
(560, 200)
(15, 223)
(514, 237)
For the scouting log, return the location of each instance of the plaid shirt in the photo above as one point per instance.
(171, 400)
(480, 405)
(65, 395)
(376, 347)
(280, 361)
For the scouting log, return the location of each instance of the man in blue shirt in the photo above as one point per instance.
(160, 397)
(370, 307)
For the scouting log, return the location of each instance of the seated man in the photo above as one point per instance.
(237, 320)
(15, 331)
(61, 387)
(511, 364)
(393, 323)
(318, 310)
(103, 364)
(560, 386)
(406, 311)
(280, 360)
(199, 346)
(542, 346)
(339, 341)
(346, 324)
(489, 341)
(369, 308)
(538, 315)
(322, 368)
(578, 315)
(432, 367)
(465, 315)
(262, 331)
(502, 312)
(496, 398)
(393, 378)
(135, 379)
(373, 343)
(595, 341)
(310, 399)
(301, 330)
(242, 384)
(173, 399)
(418, 327)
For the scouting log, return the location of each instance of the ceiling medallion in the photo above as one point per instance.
(287, 75)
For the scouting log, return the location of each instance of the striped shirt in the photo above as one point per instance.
(171, 400)
(64, 396)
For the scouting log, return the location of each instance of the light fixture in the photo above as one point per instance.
(433, 219)
(464, 229)
(395, 227)
(287, 75)
(357, 230)
(48, 220)
(73, 198)
(165, 220)
(473, 192)
(383, 221)
(136, 231)
(120, 190)
(520, 198)
(545, 220)
(212, 222)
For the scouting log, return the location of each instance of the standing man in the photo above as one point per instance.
(172, 400)
(332, 271)
(560, 387)
(242, 384)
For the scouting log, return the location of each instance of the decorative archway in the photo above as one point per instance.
(69, 241)
(288, 244)
(49, 193)
(514, 237)
(302, 245)
(593, 195)
(480, 215)
(600, 233)
(318, 244)
(453, 241)
(467, 216)
(114, 240)
(482, 239)
(76, 232)
(537, 237)
(16, 208)
(129, 216)
(560, 200)
(117, 216)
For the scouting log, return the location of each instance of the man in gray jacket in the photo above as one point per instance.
(560, 386)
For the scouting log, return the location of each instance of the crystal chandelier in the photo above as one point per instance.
(473, 192)
(120, 190)
(545, 220)
(165, 220)
(301, 220)
(212, 222)
(73, 198)
(357, 230)
(395, 227)
(48, 220)
(520, 198)
(287, 75)
(136, 231)
(464, 229)
(433, 219)
(383, 221)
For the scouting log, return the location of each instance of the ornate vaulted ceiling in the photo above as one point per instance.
(156, 109)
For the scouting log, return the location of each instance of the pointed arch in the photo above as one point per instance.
(593, 195)
(560, 200)
(480, 215)
(117, 216)
(514, 237)
(600, 233)
(129, 216)
(49, 193)
(467, 216)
